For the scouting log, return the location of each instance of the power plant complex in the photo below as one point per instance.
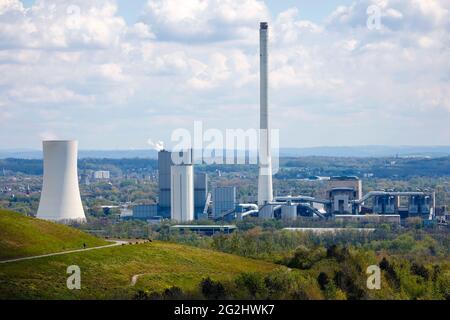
(184, 200)
(184, 196)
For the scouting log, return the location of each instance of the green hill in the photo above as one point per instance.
(22, 236)
(105, 273)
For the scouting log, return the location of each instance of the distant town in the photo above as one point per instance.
(330, 188)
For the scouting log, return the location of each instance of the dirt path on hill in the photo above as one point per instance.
(115, 244)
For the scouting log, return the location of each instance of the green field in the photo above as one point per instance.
(22, 236)
(105, 273)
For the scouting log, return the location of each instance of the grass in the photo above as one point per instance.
(22, 236)
(107, 273)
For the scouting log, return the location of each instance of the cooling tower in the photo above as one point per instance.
(60, 197)
(265, 193)
(182, 193)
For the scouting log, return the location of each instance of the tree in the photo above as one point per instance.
(420, 270)
(140, 295)
(253, 284)
(173, 293)
(212, 290)
(386, 266)
(323, 280)
(279, 284)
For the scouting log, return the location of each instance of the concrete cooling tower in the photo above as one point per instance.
(60, 197)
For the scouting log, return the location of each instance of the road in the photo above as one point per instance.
(115, 244)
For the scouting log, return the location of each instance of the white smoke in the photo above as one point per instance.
(48, 135)
(158, 145)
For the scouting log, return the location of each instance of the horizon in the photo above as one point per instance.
(330, 151)
(281, 148)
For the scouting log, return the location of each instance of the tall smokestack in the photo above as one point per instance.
(265, 193)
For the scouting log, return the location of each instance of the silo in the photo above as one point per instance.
(268, 211)
(289, 212)
(182, 193)
(60, 198)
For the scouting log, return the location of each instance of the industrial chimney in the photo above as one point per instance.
(265, 193)
(60, 197)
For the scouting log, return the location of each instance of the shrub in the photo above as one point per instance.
(253, 285)
(141, 295)
(323, 280)
(212, 290)
(173, 293)
(279, 284)
(420, 270)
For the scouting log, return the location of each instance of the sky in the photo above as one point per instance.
(115, 74)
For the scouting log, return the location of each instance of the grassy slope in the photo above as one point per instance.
(22, 236)
(107, 273)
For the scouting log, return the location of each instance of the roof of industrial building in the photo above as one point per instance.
(202, 226)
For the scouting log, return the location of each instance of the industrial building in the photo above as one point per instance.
(102, 175)
(373, 218)
(165, 164)
(341, 191)
(145, 211)
(184, 196)
(205, 229)
(200, 196)
(403, 203)
(60, 198)
(343, 201)
(182, 193)
(342, 205)
(164, 170)
(224, 200)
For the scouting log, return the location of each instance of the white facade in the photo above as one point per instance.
(60, 198)
(182, 193)
(101, 175)
(265, 192)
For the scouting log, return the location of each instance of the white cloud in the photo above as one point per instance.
(204, 20)
(199, 60)
(60, 24)
(10, 5)
(44, 95)
(112, 71)
(413, 16)
(141, 31)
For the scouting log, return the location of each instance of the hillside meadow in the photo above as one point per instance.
(22, 236)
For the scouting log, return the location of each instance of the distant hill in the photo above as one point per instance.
(368, 151)
(84, 154)
(393, 168)
(22, 236)
(343, 151)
